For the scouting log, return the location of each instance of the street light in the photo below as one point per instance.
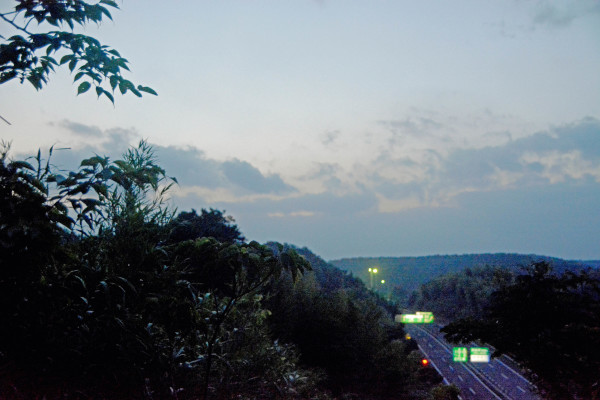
(372, 271)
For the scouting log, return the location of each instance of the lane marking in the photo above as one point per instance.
(472, 391)
(516, 373)
(461, 378)
(450, 366)
(491, 366)
(504, 376)
(520, 388)
(485, 386)
(434, 366)
(509, 368)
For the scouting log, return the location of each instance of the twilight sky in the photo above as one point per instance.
(355, 128)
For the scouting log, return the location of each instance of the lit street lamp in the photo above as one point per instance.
(372, 271)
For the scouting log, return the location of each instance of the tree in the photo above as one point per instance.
(94, 298)
(550, 323)
(24, 58)
(211, 223)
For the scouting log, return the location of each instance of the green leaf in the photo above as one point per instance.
(147, 90)
(105, 12)
(7, 76)
(91, 162)
(114, 80)
(109, 3)
(78, 76)
(110, 96)
(99, 90)
(21, 165)
(136, 92)
(66, 58)
(72, 64)
(91, 202)
(84, 87)
(123, 87)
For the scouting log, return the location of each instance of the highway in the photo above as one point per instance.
(477, 381)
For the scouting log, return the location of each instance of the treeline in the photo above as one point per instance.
(106, 293)
(460, 294)
(403, 275)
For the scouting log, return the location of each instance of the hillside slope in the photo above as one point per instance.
(408, 273)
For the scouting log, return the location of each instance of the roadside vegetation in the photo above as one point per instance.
(106, 292)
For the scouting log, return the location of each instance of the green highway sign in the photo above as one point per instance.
(459, 354)
(427, 316)
(480, 354)
(411, 319)
(419, 317)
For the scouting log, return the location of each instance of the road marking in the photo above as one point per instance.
(491, 366)
(515, 372)
(450, 366)
(450, 352)
(472, 391)
(434, 366)
(430, 346)
(521, 389)
(504, 376)
(461, 378)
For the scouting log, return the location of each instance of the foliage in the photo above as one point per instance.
(210, 223)
(550, 323)
(344, 329)
(445, 392)
(403, 275)
(97, 64)
(461, 294)
(105, 293)
(94, 297)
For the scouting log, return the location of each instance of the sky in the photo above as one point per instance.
(354, 128)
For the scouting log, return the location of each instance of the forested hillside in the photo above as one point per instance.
(460, 294)
(403, 275)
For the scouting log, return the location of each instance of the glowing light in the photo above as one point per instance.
(480, 354)
(459, 354)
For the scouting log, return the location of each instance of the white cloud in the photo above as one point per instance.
(386, 205)
(560, 166)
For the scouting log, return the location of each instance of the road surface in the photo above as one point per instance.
(477, 381)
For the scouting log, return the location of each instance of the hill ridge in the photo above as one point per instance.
(410, 272)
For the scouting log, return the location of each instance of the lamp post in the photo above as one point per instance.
(372, 271)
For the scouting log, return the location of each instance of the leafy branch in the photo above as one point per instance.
(97, 64)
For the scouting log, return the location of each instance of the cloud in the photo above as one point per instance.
(200, 177)
(250, 178)
(391, 182)
(535, 193)
(395, 183)
(300, 213)
(80, 129)
(330, 137)
(419, 126)
(191, 167)
(550, 15)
